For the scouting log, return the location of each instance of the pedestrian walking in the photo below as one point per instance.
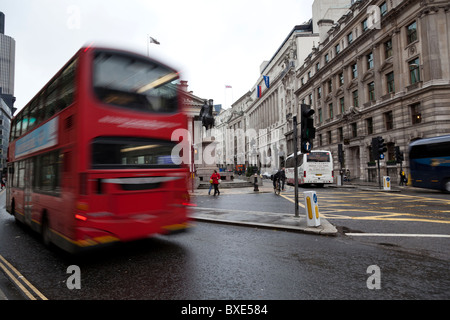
(3, 183)
(210, 186)
(215, 177)
(402, 178)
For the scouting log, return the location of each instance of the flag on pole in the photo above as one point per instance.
(258, 91)
(228, 86)
(153, 40)
(266, 80)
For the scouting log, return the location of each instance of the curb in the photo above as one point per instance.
(325, 229)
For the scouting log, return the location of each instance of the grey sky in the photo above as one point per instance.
(213, 43)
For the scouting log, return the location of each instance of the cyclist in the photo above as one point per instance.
(280, 176)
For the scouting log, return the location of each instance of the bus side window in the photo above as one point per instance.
(18, 127)
(33, 114)
(25, 113)
(67, 87)
(51, 95)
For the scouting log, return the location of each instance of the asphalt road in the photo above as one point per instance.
(231, 263)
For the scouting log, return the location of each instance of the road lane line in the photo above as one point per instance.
(21, 277)
(398, 235)
(18, 284)
(293, 200)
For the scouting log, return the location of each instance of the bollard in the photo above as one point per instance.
(387, 183)
(312, 209)
(255, 184)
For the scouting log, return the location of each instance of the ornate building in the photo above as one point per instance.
(368, 68)
(383, 69)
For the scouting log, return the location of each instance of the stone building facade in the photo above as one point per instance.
(382, 70)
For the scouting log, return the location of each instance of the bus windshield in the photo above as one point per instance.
(318, 157)
(129, 82)
(122, 152)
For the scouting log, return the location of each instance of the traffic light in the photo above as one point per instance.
(375, 154)
(398, 155)
(340, 153)
(308, 132)
(381, 147)
(378, 148)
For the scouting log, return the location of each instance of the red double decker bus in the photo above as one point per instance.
(90, 156)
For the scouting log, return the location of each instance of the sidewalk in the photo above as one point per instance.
(271, 220)
(280, 221)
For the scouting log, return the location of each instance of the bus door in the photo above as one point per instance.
(27, 194)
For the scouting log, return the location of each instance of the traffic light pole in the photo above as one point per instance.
(379, 175)
(295, 165)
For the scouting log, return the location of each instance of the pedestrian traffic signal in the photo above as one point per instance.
(308, 132)
(398, 155)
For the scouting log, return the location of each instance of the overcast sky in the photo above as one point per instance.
(213, 43)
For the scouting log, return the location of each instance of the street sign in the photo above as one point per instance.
(387, 183)
(307, 146)
(312, 209)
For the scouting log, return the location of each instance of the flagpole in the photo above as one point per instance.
(225, 96)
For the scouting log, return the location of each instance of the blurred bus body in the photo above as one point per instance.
(429, 161)
(315, 167)
(90, 155)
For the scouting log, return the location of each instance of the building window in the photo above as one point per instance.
(309, 75)
(415, 113)
(330, 86)
(411, 32)
(388, 120)
(340, 134)
(320, 115)
(390, 82)
(341, 79)
(371, 88)
(329, 137)
(364, 25)
(354, 130)
(354, 71)
(355, 99)
(319, 93)
(370, 61)
(330, 110)
(369, 125)
(337, 49)
(388, 48)
(383, 9)
(317, 66)
(327, 58)
(302, 81)
(342, 105)
(350, 37)
(414, 72)
(310, 99)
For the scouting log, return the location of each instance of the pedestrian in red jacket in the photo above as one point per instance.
(215, 177)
